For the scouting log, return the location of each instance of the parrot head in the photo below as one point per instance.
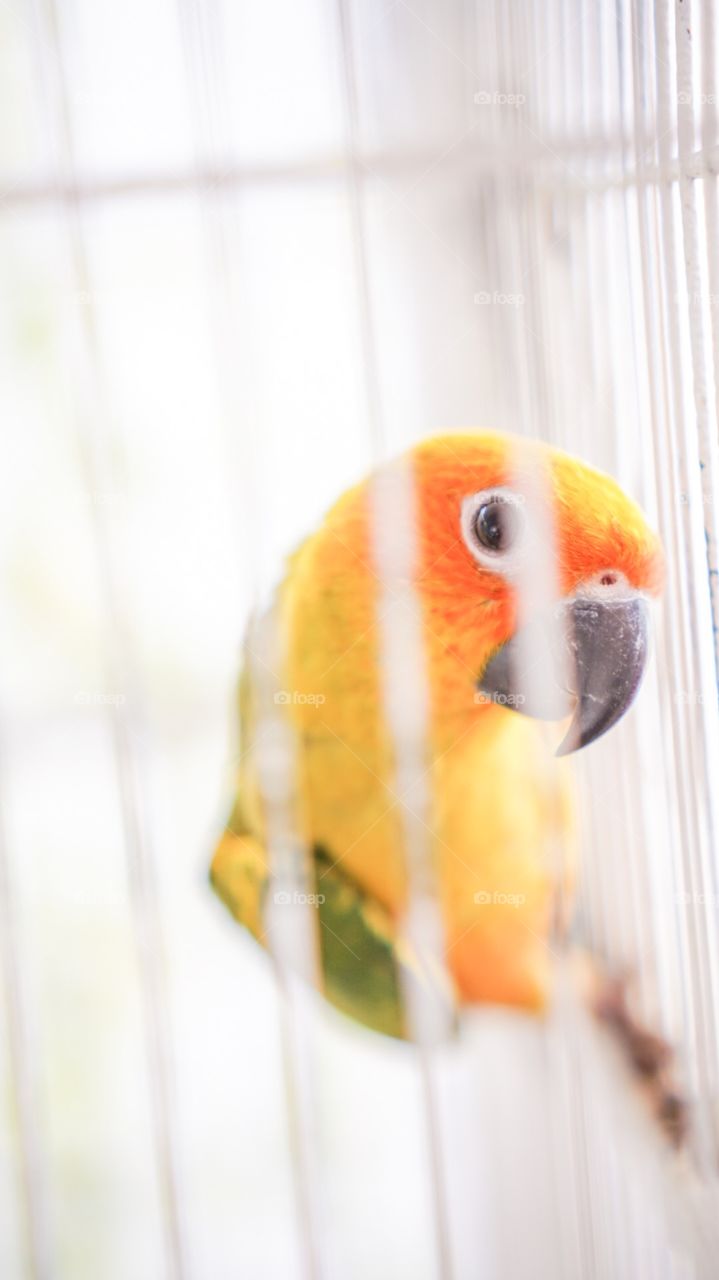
(479, 547)
(493, 512)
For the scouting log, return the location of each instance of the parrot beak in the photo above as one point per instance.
(587, 657)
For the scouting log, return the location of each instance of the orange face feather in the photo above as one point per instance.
(332, 590)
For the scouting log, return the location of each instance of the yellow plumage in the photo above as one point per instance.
(499, 816)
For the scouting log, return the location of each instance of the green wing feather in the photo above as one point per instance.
(359, 960)
(360, 964)
(365, 964)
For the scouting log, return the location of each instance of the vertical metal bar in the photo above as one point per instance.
(393, 509)
(607, 842)
(403, 683)
(23, 1076)
(646, 378)
(627, 850)
(669, 640)
(291, 926)
(146, 917)
(695, 782)
(707, 458)
(695, 277)
(663, 346)
(648, 844)
(376, 426)
(572, 1099)
(709, 131)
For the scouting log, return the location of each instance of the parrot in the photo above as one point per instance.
(494, 818)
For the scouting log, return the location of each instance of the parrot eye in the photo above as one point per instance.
(493, 525)
(497, 525)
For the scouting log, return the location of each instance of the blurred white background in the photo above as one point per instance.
(235, 238)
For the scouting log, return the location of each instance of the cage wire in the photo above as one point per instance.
(525, 200)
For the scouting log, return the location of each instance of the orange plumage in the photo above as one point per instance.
(499, 812)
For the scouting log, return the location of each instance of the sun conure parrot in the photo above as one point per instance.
(492, 811)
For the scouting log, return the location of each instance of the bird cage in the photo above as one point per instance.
(251, 253)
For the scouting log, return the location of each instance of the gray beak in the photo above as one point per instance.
(589, 657)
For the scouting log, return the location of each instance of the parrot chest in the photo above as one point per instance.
(496, 829)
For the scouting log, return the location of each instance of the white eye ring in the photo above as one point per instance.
(502, 560)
